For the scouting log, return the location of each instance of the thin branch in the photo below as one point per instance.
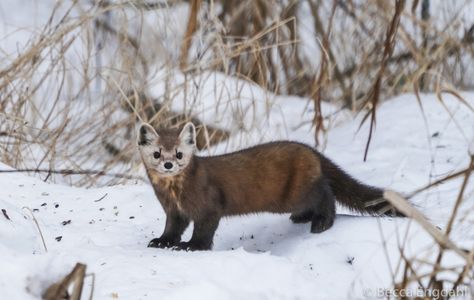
(190, 29)
(404, 207)
(449, 227)
(374, 94)
(75, 172)
(437, 182)
(37, 226)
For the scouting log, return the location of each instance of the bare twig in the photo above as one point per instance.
(4, 212)
(37, 226)
(452, 217)
(191, 28)
(74, 172)
(326, 56)
(101, 198)
(404, 207)
(387, 52)
(435, 183)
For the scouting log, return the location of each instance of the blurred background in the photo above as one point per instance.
(76, 77)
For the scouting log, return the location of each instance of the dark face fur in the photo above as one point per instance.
(168, 152)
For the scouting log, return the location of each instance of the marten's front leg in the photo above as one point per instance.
(203, 234)
(176, 223)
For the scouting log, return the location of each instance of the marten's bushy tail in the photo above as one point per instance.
(354, 194)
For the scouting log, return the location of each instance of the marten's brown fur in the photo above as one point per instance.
(278, 177)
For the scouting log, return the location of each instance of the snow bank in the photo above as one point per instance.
(261, 256)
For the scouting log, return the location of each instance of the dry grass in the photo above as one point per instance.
(62, 111)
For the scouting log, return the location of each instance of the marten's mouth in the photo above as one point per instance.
(168, 172)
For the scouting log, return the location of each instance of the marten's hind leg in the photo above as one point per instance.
(324, 206)
(303, 216)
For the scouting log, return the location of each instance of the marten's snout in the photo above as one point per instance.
(168, 165)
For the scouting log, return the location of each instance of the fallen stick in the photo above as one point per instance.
(59, 290)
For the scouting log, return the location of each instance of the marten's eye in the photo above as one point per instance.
(179, 155)
(156, 154)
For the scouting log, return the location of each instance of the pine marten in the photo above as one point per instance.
(277, 177)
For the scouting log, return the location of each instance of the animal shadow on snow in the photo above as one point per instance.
(279, 236)
(276, 234)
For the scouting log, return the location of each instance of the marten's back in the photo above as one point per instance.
(271, 177)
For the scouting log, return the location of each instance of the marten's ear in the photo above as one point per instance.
(146, 135)
(188, 135)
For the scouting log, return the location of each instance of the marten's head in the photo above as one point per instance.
(169, 151)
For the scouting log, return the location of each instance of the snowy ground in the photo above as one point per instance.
(254, 257)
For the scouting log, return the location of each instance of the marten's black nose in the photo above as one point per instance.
(168, 165)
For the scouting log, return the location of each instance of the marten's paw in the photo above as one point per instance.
(161, 243)
(190, 246)
(302, 216)
(183, 246)
(321, 223)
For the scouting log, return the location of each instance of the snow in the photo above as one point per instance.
(261, 256)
